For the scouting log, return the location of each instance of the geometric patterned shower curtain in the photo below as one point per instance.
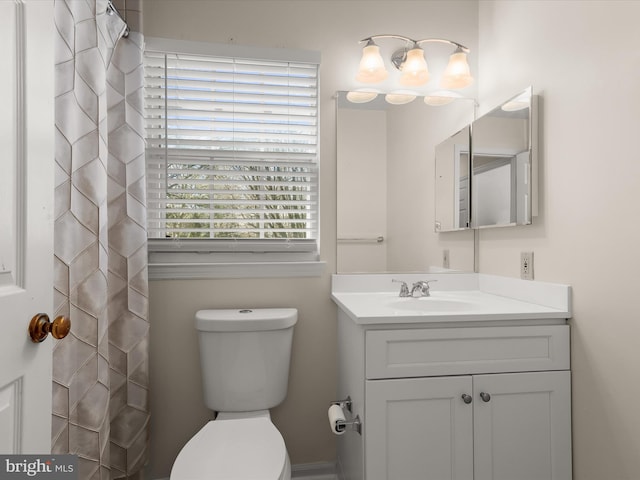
(100, 371)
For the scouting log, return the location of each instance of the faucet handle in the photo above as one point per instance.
(422, 286)
(404, 288)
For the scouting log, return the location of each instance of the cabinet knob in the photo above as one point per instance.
(466, 398)
(485, 396)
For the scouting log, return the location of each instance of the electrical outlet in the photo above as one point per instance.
(445, 258)
(526, 265)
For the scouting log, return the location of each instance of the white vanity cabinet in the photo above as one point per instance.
(422, 428)
(418, 428)
(488, 399)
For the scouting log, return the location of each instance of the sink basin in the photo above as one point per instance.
(374, 299)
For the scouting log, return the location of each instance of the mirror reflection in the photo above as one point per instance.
(385, 185)
(502, 164)
(452, 182)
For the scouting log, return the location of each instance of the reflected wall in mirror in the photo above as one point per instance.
(385, 185)
(452, 190)
(504, 164)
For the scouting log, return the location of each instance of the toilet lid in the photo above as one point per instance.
(237, 449)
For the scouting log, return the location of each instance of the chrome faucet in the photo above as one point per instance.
(421, 288)
(418, 289)
(404, 288)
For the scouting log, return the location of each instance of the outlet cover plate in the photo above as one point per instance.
(526, 265)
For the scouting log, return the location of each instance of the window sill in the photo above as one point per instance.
(191, 271)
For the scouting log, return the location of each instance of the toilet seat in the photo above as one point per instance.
(247, 448)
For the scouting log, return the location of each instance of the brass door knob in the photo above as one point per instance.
(40, 327)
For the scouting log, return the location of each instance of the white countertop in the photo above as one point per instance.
(374, 300)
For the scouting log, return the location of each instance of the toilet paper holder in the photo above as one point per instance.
(346, 403)
(343, 425)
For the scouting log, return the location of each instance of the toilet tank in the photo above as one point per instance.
(244, 357)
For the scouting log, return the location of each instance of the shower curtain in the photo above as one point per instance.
(100, 371)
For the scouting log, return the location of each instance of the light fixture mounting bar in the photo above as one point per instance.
(444, 40)
(386, 35)
(416, 42)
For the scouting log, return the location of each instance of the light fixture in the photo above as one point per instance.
(457, 74)
(437, 99)
(372, 69)
(414, 69)
(400, 97)
(412, 64)
(361, 96)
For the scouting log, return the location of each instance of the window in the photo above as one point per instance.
(232, 158)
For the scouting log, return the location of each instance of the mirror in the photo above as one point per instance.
(502, 190)
(504, 164)
(452, 199)
(385, 185)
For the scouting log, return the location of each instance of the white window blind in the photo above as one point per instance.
(232, 149)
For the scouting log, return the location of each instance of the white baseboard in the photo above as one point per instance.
(314, 471)
(308, 471)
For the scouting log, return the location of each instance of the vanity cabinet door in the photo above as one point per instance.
(522, 426)
(419, 428)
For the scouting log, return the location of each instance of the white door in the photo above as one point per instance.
(522, 426)
(419, 428)
(26, 231)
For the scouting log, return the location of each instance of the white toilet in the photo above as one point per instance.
(245, 369)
